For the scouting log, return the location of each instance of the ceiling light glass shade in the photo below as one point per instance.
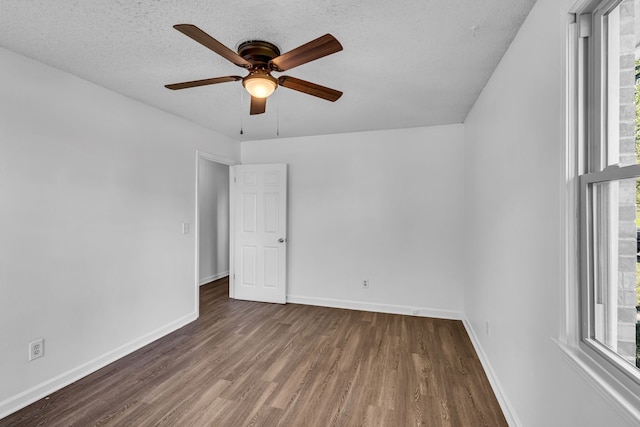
(260, 85)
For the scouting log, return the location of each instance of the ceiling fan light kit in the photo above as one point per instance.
(260, 84)
(261, 58)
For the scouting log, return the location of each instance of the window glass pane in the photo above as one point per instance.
(614, 295)
(622, 61)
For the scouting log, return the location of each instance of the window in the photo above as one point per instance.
(609, 50)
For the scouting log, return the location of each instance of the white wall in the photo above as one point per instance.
(386, 206)
(93, 190)
(514, 137)
(213, 188)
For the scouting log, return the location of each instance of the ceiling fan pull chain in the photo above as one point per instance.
(278, 114)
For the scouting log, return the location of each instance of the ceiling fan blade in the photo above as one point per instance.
(310, 88)
(258, 105)
(207, 41)
(203, 82)
(315, 49)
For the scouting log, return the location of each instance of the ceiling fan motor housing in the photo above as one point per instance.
(258, 52)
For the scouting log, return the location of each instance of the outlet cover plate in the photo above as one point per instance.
(36, 349)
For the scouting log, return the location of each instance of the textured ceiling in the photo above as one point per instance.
(405, 63)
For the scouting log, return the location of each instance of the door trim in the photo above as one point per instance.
(232, 232)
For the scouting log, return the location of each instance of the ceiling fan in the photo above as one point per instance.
(260, 58)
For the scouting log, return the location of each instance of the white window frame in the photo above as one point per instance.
(585, 162)
(618, 367)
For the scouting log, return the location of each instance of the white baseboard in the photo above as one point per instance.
(208, 279)
(380, 308)
(503, 401)
(44, 389)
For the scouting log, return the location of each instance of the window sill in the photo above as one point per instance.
(623, 400)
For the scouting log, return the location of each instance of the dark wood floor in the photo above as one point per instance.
(254, 364)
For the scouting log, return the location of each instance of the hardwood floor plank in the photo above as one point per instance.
(264, 416)
(253, 364)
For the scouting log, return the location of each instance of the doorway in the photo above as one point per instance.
(213, 228)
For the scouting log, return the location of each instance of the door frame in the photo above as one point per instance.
(225, 161)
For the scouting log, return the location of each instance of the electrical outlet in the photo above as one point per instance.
(365, 283)
(36, 349)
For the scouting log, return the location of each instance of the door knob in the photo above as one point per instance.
(281, 240)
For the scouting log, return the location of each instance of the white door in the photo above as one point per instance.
(260, 225)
